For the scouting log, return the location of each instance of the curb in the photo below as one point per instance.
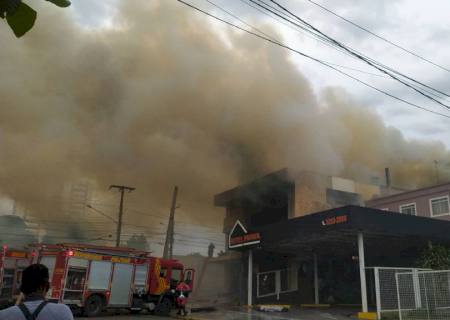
(367, 315)
(313, 305)
(272, 307)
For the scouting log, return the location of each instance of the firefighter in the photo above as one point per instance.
(182, 292)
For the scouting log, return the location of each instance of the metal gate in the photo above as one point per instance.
(386, 289)
(423, 295)
(276, 282)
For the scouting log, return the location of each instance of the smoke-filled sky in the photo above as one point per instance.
(150, 94)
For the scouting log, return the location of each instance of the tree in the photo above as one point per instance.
(138, 242)
(21, 17)
(437, 257)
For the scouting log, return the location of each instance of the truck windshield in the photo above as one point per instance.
(176, 275)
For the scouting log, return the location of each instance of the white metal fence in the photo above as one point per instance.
(273, 283)
(385, 286)
(423, 295)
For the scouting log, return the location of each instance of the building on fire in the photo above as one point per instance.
(307, 238)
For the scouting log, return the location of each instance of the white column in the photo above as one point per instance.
(250, 278)
(362, 271)
(316, 280)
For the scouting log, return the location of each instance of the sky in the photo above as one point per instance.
(421, 27)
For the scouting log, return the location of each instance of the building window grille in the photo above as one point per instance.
(439, 206)
(409, 208)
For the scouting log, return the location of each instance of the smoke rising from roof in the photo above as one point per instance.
(161, 100)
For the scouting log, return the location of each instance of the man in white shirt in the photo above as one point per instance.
(34, 287)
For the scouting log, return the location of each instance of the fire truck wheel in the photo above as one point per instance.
(163, 307)
(93, 306)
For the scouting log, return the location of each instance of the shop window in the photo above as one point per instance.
(409, 208)
(439, 206)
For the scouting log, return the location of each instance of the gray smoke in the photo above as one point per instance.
(162, 100)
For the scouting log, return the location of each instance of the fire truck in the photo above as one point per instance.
(12, 262)
(91, 278)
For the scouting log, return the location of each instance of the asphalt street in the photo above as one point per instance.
(311, 314)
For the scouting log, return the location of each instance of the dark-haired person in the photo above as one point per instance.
(33, 306)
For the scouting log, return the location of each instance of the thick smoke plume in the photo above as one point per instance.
(162, 99)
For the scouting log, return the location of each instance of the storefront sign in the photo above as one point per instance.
(335, 220)
(240, 237)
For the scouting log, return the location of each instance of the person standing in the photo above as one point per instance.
(182, 290)
(32, 305)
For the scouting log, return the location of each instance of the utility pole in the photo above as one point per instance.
(122, 190)
(436, 170)
(168, 245)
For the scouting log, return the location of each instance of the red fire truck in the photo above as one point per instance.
(92, 278)
(12, 262)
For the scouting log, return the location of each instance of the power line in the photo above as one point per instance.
(304, 31)
(378, 36)
(275, 39)
(323, 38)
(312, 58)
(363, 58)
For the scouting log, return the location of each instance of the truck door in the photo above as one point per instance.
(6, 291)
(189, 278)
(121, 284)
(75, 280)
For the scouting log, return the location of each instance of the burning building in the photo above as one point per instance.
(307, 238)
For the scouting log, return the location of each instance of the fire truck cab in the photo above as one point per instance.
(93, 278)
(12, 263)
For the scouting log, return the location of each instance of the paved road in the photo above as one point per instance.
(128, 317)
(248, 315)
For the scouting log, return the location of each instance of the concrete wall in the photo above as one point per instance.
(217, 280)
(420, 197)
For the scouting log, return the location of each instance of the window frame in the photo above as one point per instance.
(431, 206)
(408, 205)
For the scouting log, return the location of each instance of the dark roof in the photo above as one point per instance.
(383, 229)
(249, 189)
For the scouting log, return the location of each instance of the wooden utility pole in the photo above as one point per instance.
(168, 245)
(122, 190)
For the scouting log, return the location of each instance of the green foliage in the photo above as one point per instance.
(21, 17)
(437, 257)
(60, 3)
(22, 20)
(138, 242)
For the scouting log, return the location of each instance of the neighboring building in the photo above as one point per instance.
(426, 202)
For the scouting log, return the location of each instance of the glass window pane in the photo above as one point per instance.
(140, 278)
(408, 209)
(440, 206)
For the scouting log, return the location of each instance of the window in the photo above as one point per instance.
(439, 206)
(409, 208)
(176, 274)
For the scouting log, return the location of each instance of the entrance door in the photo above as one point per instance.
(121, 284)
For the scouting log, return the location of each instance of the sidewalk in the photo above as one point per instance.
(240, 313)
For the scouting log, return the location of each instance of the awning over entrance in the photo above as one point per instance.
(335, 230)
